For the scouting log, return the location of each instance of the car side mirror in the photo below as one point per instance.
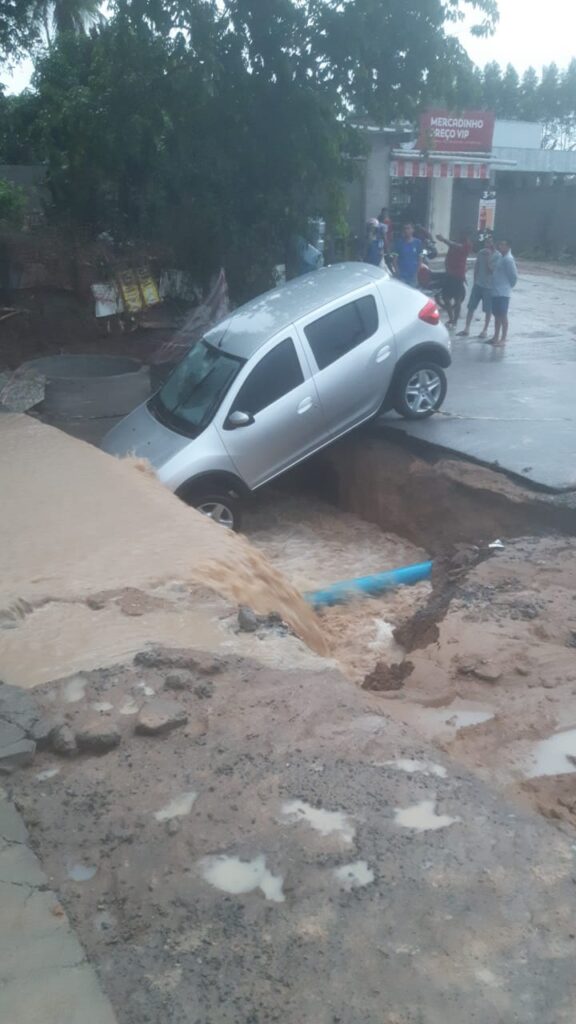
(238, 419)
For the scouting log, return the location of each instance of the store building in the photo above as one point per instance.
(469, 171)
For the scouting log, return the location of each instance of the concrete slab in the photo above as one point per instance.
(514, 407)
(44, 975)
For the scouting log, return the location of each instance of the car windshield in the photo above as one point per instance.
(194, 390)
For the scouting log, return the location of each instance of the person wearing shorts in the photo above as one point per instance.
(504, 278)
(481, 289)
(454, 289)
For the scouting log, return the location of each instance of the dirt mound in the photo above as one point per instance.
(77, 524)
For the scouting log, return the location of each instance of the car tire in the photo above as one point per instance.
(420, 390)
(223, 507)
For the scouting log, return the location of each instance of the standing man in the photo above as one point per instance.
(384, 219)
(407, 256)
(504, 278)
(454, 290)
(481, 289)
(374, 242)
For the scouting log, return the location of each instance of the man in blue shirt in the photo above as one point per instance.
(407, 256)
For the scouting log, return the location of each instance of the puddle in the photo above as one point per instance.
(406, 764)
(130, 707)
(422, 817)
(148, 691)
(74, 690)
(176, 808)
(81, 872)
(443, 722)
(235, 876)
(555, 755)
(48, 773)
(325, 822)
(354, 876)
(102, 706)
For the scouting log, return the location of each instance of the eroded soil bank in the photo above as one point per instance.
(272, 842)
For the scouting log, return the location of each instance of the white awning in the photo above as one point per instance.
(439, 169)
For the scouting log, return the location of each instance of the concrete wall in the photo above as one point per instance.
(534, 217)
(377, 180)
(465, 204)
(537, 217)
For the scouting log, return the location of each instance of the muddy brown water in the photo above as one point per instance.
(76, 523)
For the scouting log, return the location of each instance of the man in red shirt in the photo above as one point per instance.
(454, 289)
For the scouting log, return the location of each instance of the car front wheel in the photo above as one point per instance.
(420, 391)
(223, 507)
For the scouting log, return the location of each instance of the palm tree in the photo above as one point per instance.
(75, 16)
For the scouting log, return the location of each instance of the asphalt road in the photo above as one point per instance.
(515, 407)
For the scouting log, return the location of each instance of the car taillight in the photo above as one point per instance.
(430, 313)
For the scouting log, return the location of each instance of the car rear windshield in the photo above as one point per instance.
(189, 398)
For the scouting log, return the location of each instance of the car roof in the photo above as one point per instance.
(251, 325)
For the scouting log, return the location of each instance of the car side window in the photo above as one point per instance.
(333, 335)
(277, 373)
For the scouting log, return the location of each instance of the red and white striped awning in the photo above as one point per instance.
(438, 169)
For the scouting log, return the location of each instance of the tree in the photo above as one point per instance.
(492, 85)
(509, 99)
(529, 104)
(18, 28)
(75, 16)
(379, 58)
(143, 141)
(12, 204)
(221, 126)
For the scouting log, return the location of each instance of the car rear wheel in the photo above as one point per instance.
(420, 391)
(223, 507)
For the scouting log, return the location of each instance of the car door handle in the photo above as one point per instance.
(305, 404)
(383, 354)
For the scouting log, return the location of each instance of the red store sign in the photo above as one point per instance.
(444, 132)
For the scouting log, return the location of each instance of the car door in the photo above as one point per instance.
(283, 419)
(351, 349)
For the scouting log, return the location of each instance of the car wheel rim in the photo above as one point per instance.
(423, 391)
(220, 513)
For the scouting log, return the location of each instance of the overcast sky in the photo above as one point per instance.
(526, 34)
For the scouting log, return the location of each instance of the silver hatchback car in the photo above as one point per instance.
(283, 376)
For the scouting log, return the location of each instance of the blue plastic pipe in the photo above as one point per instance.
(339, 593)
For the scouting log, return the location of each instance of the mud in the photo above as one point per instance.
(314, 545)
(434, 502)
(98, 557)
(277, 860)
(503, 646)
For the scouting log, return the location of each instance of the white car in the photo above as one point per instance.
(282, 377)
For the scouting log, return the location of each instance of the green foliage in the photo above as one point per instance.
(549, 98)
(12, 204)
(18, 28)
(72, 15)
(220, 126)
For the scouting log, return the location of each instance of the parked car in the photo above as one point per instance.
(284, 376)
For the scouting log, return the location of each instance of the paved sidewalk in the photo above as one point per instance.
(514, 407)
(45, 977)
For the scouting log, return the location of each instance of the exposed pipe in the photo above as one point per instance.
(339, 593)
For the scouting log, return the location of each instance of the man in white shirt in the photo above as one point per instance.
(504, 278)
